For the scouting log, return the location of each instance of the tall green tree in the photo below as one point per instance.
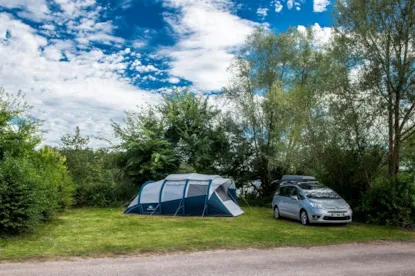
(378, 36)
(193, 128)
(147, 153)
(274, 86)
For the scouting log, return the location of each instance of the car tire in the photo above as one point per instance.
(276, 212)
(304, 218)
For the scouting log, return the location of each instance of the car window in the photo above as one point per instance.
(284, 191)
(318, 191)
(293, 191)
(299, 194)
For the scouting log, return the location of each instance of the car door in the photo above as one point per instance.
(282, 201)
(293, 205)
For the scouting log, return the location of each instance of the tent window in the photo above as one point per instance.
(172, 192)
(196, 190)
(222, 193)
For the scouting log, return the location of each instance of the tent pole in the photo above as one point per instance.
(154, 210)
(206, 200)
(184, 197)
(180, 206)
(161, 192)
(140, 206)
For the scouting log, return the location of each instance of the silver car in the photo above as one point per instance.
(310, 202)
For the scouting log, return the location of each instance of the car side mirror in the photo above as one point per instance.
(294, 197)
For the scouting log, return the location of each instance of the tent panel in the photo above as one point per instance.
(232, 194)
(134, 202)
(195, 205)
(222, 193)
(133, 210)
(171, 207)
(216, 206)
(172, 191)
(218, 182)
(150, 192)
(148, 208)
(233, 208)
(196, 190)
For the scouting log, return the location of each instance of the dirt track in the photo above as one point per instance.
(354, 259)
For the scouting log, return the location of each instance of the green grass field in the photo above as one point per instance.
(107, 232)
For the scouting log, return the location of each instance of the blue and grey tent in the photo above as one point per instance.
(187, 194)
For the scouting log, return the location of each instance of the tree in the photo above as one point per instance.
(76, 141)
(98, 179)
(19, 132)
(34, 184)
(148, 154)
(275, 81)
(193, 128)
(379, 38)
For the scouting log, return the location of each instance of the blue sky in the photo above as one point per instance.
(82, 62)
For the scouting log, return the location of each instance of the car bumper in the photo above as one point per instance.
(326, 216)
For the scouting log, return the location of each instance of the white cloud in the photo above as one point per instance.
(36, 10)
(302, 29)
(262, 12)
(87, 89)
(290, 4)
(146, 68)
(278, 6)
(202, 53)
(173, 80)
(320, 5)
(321, 35)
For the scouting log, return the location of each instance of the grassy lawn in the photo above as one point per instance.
(106, 232)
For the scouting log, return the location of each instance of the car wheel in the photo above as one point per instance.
(304, 218)
(276, 212)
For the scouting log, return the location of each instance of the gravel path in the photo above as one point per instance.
(352, 259)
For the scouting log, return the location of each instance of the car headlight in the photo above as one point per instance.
(316, 205)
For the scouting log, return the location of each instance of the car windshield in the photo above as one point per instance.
(318, 191)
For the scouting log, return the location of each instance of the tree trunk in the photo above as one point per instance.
(396, 147)
(390, 133)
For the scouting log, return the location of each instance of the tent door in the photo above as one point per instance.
(195, 199)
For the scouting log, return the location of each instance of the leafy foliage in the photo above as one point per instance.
(34, 184)
(32, 190)
(98, 179)
(147, 152)
(391, 202)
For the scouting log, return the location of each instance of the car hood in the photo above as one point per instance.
(331, 203)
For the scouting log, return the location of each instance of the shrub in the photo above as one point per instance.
(390, 202)
(96, 194)
(20, 196)
(32, 189)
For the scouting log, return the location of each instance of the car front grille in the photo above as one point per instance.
(336, 218)
(337, 212)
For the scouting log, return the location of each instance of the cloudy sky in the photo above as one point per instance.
(82, 62)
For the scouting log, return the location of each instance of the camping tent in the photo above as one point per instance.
(187, 194)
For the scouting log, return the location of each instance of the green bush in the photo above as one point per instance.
(19, 205)
(32, 189)
(390, 202)
(96, 194)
